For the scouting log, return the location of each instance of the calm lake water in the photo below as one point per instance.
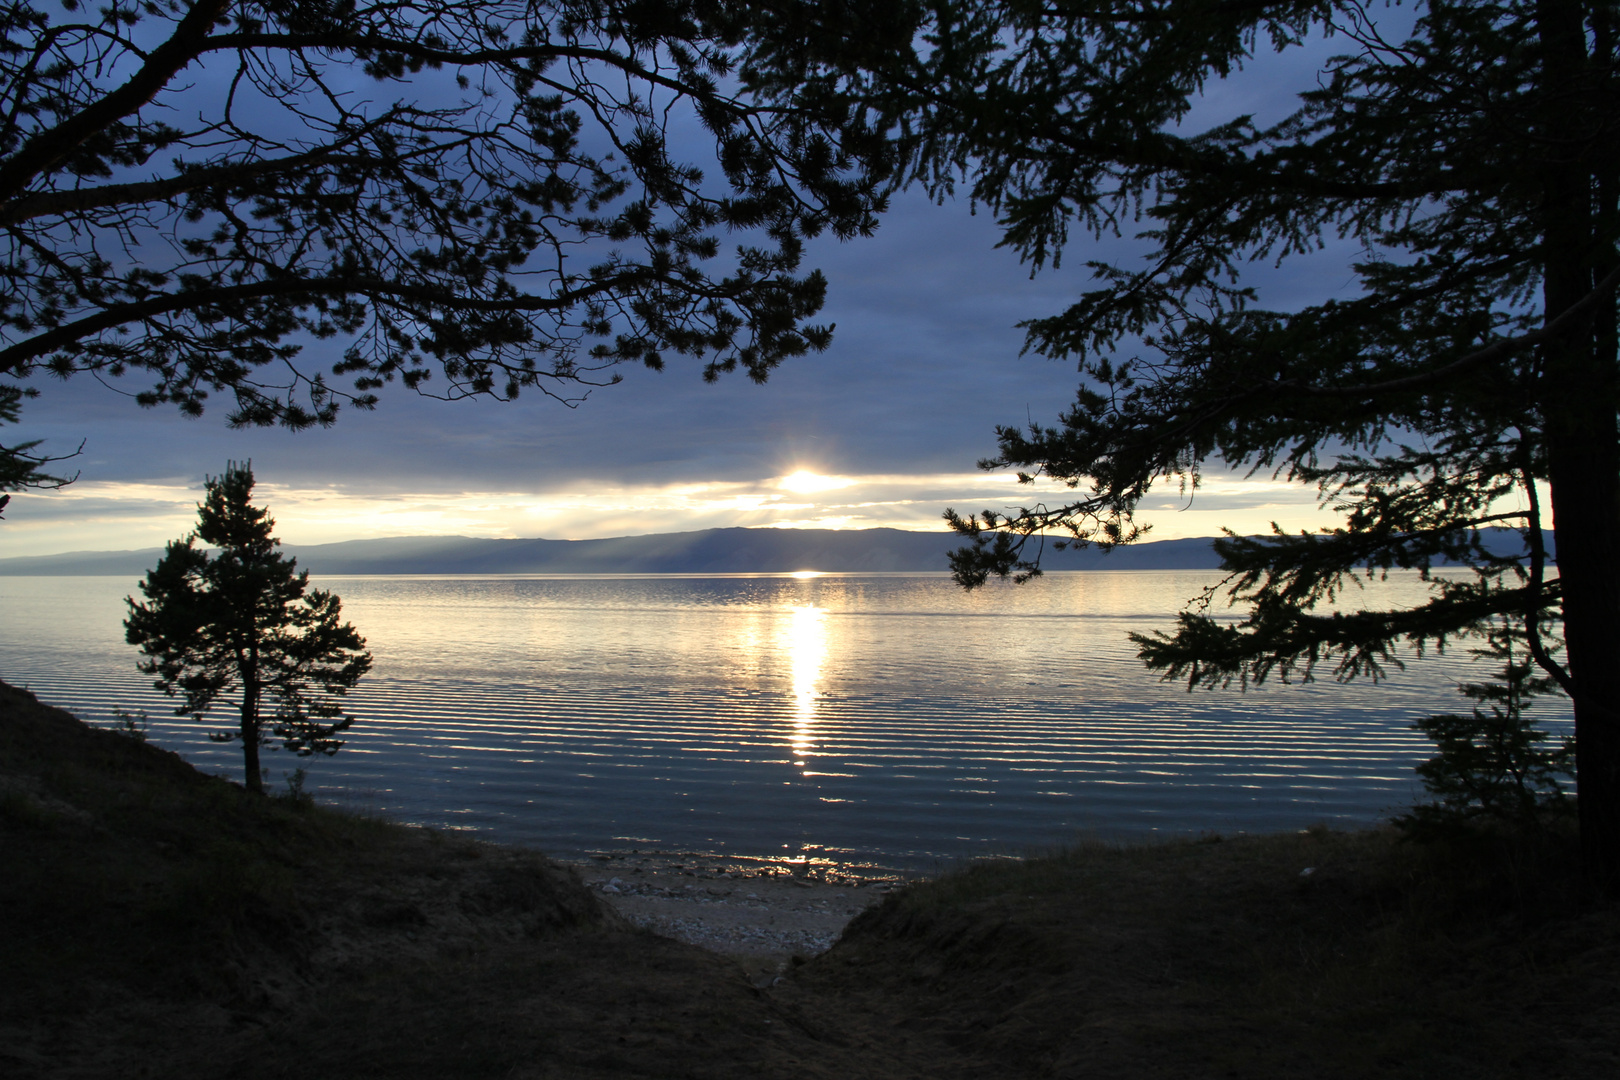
(884, 719)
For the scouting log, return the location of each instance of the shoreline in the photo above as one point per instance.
(765, 914)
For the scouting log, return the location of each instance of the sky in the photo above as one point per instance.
(883, 429)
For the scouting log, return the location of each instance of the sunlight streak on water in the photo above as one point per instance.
(805, 634)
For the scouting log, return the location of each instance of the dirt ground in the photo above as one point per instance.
(166, 924)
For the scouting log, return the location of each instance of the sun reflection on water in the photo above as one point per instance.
(804, 638)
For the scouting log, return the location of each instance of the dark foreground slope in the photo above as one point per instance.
(1321, 955)
(162, 923)
(165, 924)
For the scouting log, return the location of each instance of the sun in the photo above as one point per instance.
(805, 482)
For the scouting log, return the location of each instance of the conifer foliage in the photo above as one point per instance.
(1463, 377)
(240, 625)
(1493, 762)
(466, 198)
(20, 467)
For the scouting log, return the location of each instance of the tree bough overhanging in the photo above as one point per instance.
(476, 198)
(1467, 154)
(21, 468)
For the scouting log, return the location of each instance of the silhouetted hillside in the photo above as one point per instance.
(709, 551)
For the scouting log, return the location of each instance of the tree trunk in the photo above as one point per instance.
(1585, 496)
(1578, 404)
(250, 735)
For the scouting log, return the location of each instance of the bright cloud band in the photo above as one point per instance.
(103, 516)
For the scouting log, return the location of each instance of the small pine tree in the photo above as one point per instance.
(244, 623)
(1494, 765)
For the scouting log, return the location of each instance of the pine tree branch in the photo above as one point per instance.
(45, 150)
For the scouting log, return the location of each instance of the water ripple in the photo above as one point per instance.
(893, 718)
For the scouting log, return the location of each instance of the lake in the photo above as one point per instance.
(889, 720)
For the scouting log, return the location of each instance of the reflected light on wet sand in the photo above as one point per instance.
(804, 638)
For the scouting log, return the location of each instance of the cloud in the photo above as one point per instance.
(95, 515)
(925, 364)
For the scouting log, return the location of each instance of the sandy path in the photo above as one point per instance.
(762, 913)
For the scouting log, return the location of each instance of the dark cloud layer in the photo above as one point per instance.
(924, 363)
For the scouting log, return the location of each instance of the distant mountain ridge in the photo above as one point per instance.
(709, 551)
